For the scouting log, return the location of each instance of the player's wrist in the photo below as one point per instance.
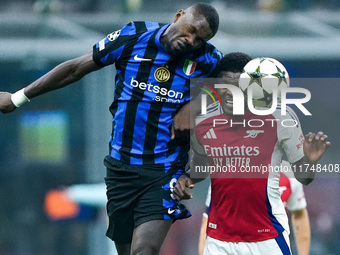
(18, 98)
(186, 174)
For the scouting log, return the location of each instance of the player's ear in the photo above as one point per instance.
(178, 15)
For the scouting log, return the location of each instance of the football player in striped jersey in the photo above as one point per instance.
(154, 64)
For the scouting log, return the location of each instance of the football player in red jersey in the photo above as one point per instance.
(247, 215)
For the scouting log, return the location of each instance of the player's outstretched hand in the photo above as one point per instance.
(315, 145)
(6, 105)
(180, 190)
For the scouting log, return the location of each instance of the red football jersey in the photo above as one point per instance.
(246, 204)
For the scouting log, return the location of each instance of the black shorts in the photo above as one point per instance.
(138, 194)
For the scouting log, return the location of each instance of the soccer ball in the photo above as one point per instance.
(265, 77)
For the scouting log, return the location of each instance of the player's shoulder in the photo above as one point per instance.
(210, 52)
(286, 111)
(211, 47)
(286, 115)
(139, 27)
(212, 111)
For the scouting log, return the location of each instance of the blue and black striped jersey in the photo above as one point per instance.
(150, 88)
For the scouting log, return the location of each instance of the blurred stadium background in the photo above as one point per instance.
(60, 139)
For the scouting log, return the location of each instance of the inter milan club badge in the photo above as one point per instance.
(162, 74)
(189, 67)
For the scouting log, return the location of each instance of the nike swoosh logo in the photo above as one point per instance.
(141, 59)
(170, 211)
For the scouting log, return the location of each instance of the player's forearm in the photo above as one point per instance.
(303, 170)
(203, 235)
(62, 75)
(302, 233)
(196, 163)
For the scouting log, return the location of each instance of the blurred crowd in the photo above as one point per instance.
(94, 6)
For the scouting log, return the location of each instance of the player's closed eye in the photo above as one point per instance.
(191, 29)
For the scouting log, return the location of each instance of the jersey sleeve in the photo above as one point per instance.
(212, 56)
(109, 50)
(297, 200)
(290, 135)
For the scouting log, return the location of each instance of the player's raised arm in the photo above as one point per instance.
(314, 147)
(62, 75)
(184, 121)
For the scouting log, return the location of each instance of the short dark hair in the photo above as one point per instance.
(210, 15)
(233, 62)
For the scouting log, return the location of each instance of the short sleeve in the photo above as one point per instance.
(297, 200)
(290, 135)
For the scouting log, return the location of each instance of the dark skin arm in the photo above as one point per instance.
(62, 75)
(314, 147)
(184, 120)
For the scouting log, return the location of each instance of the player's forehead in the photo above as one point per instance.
(229, 77)
(199, 23)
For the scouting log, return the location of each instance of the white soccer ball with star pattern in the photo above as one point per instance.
(265, 77)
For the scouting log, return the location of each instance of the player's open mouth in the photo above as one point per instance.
(229, 104)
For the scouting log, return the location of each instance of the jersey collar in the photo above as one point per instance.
(158, 36)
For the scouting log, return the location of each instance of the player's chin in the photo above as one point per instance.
(227, 110)
(177, 51)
